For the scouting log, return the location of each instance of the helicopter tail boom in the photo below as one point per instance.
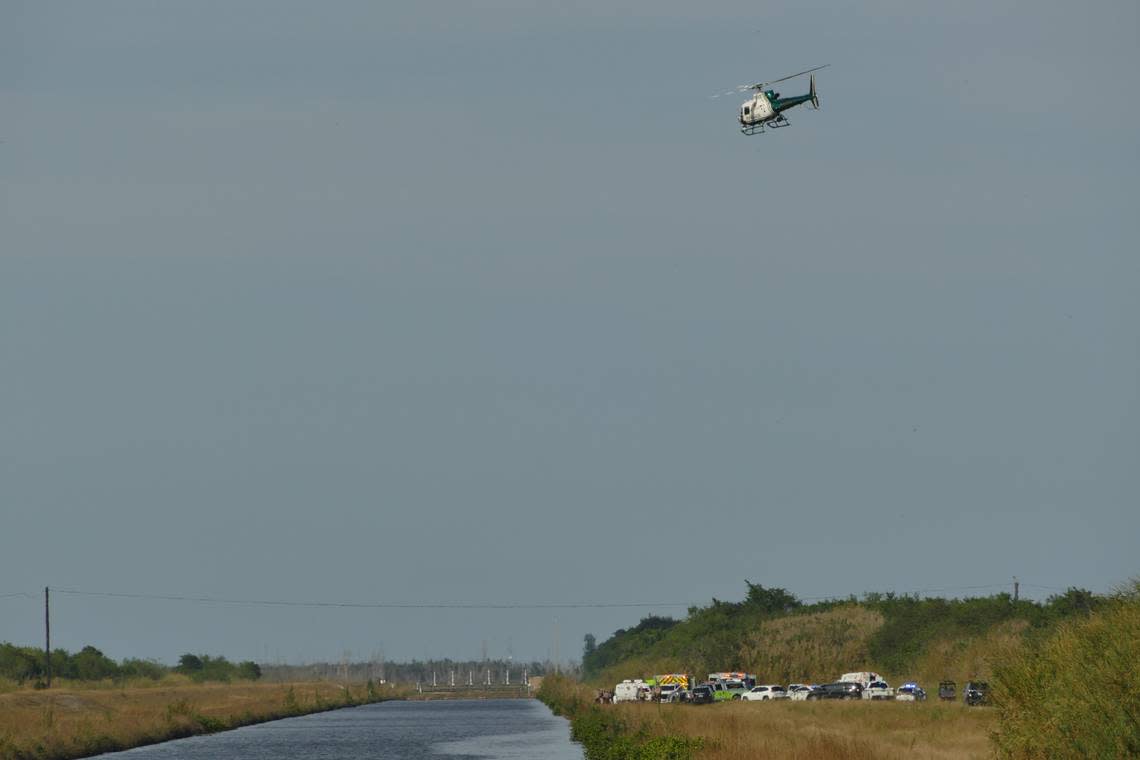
(814, 97)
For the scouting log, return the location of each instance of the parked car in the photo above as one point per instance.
(947, 690)
(837, 690)
(798, 692)
(671, 692)
(878, 690)
(761, 693)
(976, 693)
(910, 692)
(702, 695)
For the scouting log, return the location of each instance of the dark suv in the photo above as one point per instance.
(702, 695)
(840, 690)
(976, 693)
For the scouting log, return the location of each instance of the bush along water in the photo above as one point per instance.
(603, 734)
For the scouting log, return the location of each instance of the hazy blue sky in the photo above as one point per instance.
(491, 302)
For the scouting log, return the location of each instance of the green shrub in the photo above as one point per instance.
(1074, 694)
(208, 724)
(603, 734)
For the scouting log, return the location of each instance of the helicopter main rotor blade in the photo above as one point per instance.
(790, 76)
(761, 85)
(734, 91)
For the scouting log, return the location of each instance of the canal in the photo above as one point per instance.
(498, 729)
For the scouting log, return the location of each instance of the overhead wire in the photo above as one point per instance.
(370, 605)
(424, 605)
(1047, 588)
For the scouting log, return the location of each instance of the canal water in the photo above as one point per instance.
(507, 729)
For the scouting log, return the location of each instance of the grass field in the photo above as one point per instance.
(78, 722)
(833, 729)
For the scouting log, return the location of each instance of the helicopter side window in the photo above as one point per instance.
(747, 110)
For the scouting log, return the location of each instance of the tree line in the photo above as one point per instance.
(29, 665)
(711, 636)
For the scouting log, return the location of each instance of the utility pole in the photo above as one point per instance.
(47, 634)
(1016, 587)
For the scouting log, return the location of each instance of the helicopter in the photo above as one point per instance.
(766, 108)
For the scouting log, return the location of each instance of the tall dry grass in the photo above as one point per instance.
(811, 648)
(65, 723)
(841, 730)
(969, 658)
(1076, 694)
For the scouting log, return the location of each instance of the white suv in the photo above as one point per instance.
(761, 693)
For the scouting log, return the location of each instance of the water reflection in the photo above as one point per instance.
(494, 729)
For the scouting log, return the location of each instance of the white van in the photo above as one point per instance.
(629, 690)
(863, 678)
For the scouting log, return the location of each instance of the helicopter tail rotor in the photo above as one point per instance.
(814, 96)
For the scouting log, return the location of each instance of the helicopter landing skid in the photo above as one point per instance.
(758, 129)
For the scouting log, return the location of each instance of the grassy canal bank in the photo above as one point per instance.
(859, 730)
(64, 723)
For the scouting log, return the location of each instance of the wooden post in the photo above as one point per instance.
(47, 634)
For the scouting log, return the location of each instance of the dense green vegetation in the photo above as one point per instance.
(206, 668)
(719, 636)
(604, 735)
(1074, 693)
(28, 664)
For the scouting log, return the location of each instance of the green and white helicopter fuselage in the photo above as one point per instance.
(766, 107)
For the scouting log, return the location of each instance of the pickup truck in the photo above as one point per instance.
(724, 691)
(878, 690)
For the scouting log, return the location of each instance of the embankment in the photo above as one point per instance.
(60, 724)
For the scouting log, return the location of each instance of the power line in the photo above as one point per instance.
(17, 593)
(373, 605)
(202, 599)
